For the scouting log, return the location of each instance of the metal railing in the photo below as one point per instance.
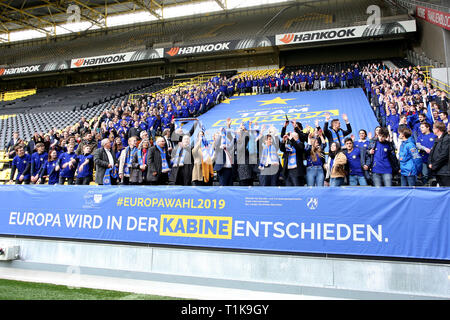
(436, 83)
(177, 84)
(411, 4)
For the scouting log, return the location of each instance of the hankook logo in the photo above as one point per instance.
(287, 38)
(101, 60)
(79, 62)
(19, 70)
(199, 49)
(320, 35)
(173, 51)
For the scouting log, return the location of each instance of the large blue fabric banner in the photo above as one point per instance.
(386, 222)
(304, 107)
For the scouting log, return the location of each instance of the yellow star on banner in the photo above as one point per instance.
(228, 100)
(277, 100)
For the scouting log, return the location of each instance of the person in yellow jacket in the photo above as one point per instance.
(335, 165)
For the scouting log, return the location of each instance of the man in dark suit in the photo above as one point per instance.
(293, 154)
(10, 147)
(104, 159)
(135, 131)
(438, 160)
(182, 163)
(224, 158)
(158, 163)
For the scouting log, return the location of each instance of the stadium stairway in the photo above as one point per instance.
(30, 121)
(55, 114)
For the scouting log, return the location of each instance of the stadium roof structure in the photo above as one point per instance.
(49, 18)
(177, 27)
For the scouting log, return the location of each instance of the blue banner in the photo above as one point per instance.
(304, 107)
(386, 222)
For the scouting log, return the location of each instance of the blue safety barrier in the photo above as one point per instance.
(386, 222)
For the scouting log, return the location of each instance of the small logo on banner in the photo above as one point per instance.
(2, 71)
(173, 51)
(287, 38)
(92, 200)
(312, 203)
(98, 198)
(79, 62)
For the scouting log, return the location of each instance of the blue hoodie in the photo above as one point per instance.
(406, 156)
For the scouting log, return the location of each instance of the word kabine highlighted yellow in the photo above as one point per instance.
(196, 226)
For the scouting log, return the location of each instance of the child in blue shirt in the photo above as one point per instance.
(85, 166)
(50, 169)
(383, 161)
(37, 160)
(21, 163)
(358, 163)
(66, 162)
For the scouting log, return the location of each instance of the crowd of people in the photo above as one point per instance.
(143, 143)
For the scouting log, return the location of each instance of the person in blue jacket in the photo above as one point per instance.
(349, 76)
(50, 169)
(310, 80)
(356, 75)
(358, 163)
(406, 155)
(85, 166)
(37, 160)
(66, 162)
(303, 79)
(330, 82)
(337, 79)
(383, 162)
(21, 163)
(261, 84)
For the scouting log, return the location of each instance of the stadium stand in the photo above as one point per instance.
(298, 116)
(283, 18)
